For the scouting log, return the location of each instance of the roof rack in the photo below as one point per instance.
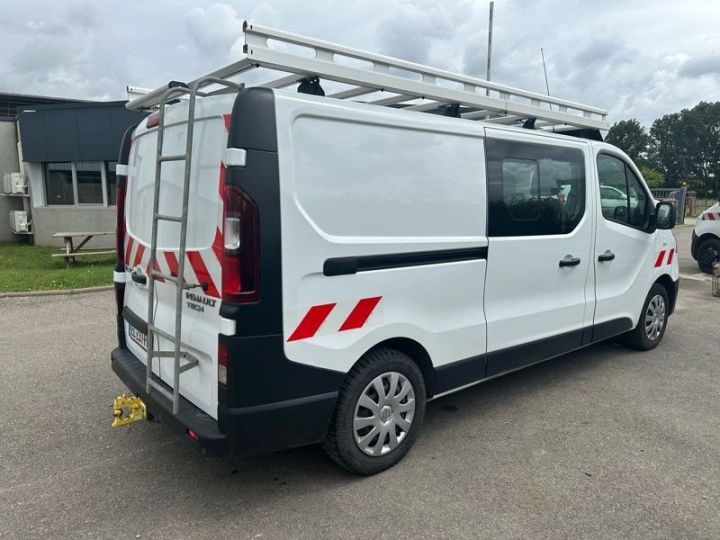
(385, 81)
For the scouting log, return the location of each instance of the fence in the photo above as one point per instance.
(677, 196)
(696, 206)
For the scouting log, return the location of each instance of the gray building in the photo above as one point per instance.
(67, 154)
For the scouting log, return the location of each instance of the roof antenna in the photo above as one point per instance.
(547, 86)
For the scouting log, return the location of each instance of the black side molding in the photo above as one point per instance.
(339, 266)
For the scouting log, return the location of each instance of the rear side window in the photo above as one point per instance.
(622, 197)
(533, 189)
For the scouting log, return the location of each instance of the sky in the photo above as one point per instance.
(638, 59)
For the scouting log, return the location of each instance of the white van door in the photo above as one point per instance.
(624, 251)
(200, 307)
(539, 288)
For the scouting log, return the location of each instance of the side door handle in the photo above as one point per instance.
(569, 260)
(607, 256)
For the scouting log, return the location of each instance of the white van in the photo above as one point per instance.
(705, 247)
(346, 262)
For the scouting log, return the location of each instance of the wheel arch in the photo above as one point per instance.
(417, 354)
(669, 285)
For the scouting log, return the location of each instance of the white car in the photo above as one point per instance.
(705, 247)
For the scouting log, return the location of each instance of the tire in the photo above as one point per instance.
(393, 413)
(707, 253)
(647, 335)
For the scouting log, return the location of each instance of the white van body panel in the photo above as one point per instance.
(361, 181)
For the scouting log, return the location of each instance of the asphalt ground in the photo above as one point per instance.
(602, 443)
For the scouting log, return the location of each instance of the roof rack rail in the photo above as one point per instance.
(363, 74)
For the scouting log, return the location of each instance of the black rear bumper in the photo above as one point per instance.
(250, 430)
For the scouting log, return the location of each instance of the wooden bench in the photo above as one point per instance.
(70, 251)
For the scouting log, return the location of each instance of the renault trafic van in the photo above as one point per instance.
(296, 268)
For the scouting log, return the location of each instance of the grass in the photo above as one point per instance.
(31, 268)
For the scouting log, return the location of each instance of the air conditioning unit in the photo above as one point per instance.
(14, 183)
(18, 221)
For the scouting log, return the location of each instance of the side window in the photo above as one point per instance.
(533, 189)
(622, 197)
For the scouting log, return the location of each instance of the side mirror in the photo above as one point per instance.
(665, 215)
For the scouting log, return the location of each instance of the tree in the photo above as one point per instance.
(686, 146)
(631, 138)
(653, 177)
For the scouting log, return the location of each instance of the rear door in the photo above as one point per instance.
(539, 286)
(200, 308)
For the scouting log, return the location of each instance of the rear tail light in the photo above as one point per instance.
(241, 247)
(222, 363)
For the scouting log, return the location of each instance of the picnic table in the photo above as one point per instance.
(70, 251)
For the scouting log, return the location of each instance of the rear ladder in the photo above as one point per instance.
(173, 90)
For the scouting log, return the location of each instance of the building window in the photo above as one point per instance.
(111, 182)
(80, 183)
(59, 184)
(89, 183)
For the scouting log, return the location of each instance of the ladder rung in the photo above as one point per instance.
(152, 328)
(191, 360)
(178, 157)
(171, 354)
(160, 388)
(191, 364)
(166, 217)
(161, 275)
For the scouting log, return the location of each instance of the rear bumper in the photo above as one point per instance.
(250, 430)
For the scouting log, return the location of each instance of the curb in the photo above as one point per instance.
(62, 292)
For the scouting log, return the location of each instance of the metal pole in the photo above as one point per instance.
(547, 87)
(489, 49)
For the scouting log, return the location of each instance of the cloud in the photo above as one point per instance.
(698, 67)
(640, 59)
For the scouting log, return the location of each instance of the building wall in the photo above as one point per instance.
(8, 163)
(48, 220)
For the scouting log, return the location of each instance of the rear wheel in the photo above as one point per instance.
(379, 413)
(707, 253)
(653, 320)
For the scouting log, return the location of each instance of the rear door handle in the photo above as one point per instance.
(569, 260)
(607, 256)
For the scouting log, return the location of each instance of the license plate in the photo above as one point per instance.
(138, 336)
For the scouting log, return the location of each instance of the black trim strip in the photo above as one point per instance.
(339, 266)
(487, 366)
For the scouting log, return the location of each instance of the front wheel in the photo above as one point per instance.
(379, 413)
(650, 328)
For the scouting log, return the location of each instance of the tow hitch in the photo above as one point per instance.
(127, 410)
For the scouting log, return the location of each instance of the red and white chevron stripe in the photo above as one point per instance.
(318, 314)
(710, 216)
(661, 259)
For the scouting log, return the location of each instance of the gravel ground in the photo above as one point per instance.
(602, 443)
